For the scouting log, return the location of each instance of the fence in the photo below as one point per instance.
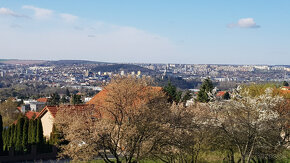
(33, 155)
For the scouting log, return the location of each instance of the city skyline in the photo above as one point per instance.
(199, 32)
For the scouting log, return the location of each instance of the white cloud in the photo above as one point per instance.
(68, 17)
(6, 11)
(39, 13)
(245, 23)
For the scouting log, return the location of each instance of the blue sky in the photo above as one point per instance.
(152, 31)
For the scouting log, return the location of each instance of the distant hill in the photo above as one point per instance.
(21, 62)
(122, 67)
(72, 62)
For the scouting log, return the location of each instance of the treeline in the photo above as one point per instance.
(178, 82)
(125, 67)
(21, 135)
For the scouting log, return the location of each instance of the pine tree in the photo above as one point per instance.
(25, 134)
(30, 131)
(186, 97)
(19, 137)
(172, 93)
(34, 132)
(1, 136)
(206, 87)
(54, 136)
(63, 100)
(54, 99)
(226, 96)
(4, 139)
(7, 138)
(76, 99)
(67, 93)
(11, 138)
(39, 133)
(285, 83)
(14, 135)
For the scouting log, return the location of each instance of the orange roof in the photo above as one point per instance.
(99, 98)
(30, 114)
(220, 93)
(42, 100)
(53, 109)
(286, 87)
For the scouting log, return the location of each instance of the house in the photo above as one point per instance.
(221, 94)
(29, 114)
(286, 88)
(48, 114)
(43, 100)
(33, 105)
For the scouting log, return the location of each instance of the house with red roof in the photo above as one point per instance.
(43, 100)
(48, 114)
(220, 93)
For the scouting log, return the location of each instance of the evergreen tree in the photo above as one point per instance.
(285, 83)
(67, 93)
(1, 136)
(54, 99)
(7, 139)
(31, 131)
(34, 132)
(39, 133)
(76, 99)
(226, 96)
(54, 136)
(14, 136)
(11, 138)
(205, 88)
(19, 137)
(172, 93)
(4, 137)
(64, 100)
(25, 134)
(186, 97)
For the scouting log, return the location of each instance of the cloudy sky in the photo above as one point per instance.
(163, 31)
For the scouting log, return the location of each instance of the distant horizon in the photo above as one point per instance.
(1, 61)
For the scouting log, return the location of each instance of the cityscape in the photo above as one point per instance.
(145, 81)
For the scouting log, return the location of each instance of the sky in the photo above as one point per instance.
(147, 31)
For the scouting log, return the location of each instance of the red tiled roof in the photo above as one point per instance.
(286, 87)
(42, 100)
(30, 114)
(99, 98)
(53, 109)
(220, 93)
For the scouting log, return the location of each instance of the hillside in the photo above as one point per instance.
(122, 67)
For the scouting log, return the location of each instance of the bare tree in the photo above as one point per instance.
(130, 121)
(8, 109)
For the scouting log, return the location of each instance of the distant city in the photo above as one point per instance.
(91, 75)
